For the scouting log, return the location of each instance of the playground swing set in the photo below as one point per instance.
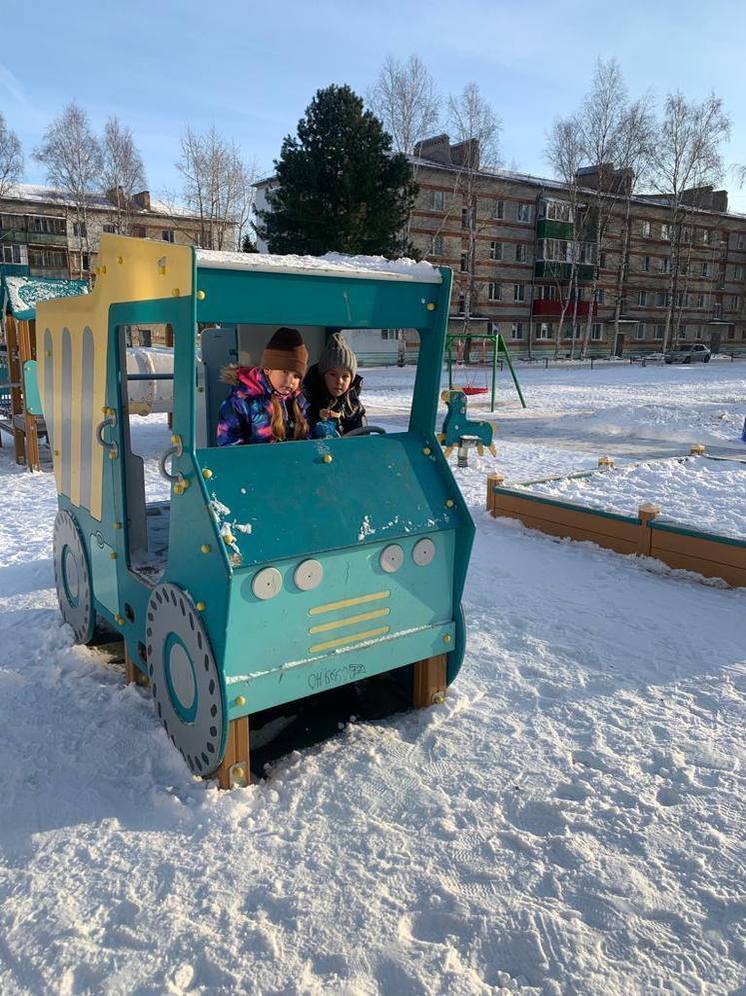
(456, 343)
(271, 573)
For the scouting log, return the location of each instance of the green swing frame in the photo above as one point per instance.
(499, 349)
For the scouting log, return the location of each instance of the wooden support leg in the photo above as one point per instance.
(133, 672)
(33, 460)
(429, 685)
(234, 770)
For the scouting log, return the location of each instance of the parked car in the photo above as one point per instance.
(695, 352)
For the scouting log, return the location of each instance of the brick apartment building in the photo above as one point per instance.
(41, 236)
(506, 235)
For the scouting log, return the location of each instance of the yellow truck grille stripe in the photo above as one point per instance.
(345, 641)
(318, 610)
(350, 620)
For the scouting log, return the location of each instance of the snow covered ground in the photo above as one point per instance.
(571, 821)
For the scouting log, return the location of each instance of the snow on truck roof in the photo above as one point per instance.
(333, 264)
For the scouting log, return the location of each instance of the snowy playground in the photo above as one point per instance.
(571, 820)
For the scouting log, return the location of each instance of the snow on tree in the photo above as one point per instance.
(11, 158)
(405, 98)
(123, 172)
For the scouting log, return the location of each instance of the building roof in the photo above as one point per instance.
(54, 197)
(332, 264)
(20, 295)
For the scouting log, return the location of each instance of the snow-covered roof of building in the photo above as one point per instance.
(333, 264)
(41, 194)
(22, 294)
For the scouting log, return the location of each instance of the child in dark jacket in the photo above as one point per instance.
(266, 404)
(332, 387)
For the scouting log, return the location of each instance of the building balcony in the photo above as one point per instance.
(548, 229)
(549, 269)
(553, 309)
(21, 235)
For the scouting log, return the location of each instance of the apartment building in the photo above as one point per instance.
(515, 242)
(41, 234)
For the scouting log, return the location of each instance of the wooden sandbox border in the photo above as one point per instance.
(681, 547)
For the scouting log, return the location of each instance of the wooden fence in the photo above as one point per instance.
(681, 547)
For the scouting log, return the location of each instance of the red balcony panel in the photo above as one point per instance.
(553, 309)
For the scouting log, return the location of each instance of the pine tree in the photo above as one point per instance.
(247, 244)
(338, 185)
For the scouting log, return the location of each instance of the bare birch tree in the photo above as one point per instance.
(686, 157)
(72, 158)
(11, 158)
(218, 186)
(406, 100)
(123, 173)
(476, 129)
(564, 152)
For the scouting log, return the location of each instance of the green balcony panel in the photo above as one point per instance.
(546, 229)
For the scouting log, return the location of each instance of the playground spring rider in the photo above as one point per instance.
(271, 572)
(459, 430)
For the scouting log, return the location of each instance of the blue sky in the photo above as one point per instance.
(251, 68)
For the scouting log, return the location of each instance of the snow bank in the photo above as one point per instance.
(332, 264)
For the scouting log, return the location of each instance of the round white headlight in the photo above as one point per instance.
(308, 575)
(392, 557)
(267, 583)
(423, 552)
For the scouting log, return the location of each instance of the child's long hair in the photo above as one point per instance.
(278, 422)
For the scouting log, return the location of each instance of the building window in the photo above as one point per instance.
(705, 269)
(731, 333)
(700, 300)
(436, 245)
(524, 211)
(109, 228)
(557, 211)
(661, 300)
(645, 229)
(646, 263)
(596, 331)
(167, 234)
(600, 295)
(735, 302)
(666, 232)
(520, 253)
(437, 200)
(465, 217)
(461, 307)
(545, 330)
(658, 332)
(738, 272)
(496, 250)
(86, 262)
(666, 265)
(741, 240)
(519, 292)
(516, 330)
(464, 262)
(602, 261)
(495, 292)
(79, 229)
(498, 210)
(38, 223)
(10, 254)
(706, 236)
(642, 298)
(546, 292)
(640, 330)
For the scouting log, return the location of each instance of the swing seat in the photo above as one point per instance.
(472, 389)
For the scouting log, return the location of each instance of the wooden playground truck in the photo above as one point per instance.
(272, 572)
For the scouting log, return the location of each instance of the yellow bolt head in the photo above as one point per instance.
(427, 451)
(328, 458)
(119, 620)
(447, 638)
(205, 548)
(201, 295)
(175, 292)
(200, 606)
(431, 306)
(240, 700)
(449, 502)
(207, 473)
(103, 269)
(175, 440)
(120, 259)
(113, 555)
(117, 525)
(112, 454)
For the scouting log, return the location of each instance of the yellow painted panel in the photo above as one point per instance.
(347, 641)
(130, 270)
(349, 621)
(346, 602)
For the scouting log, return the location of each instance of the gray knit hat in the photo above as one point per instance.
(337, 353)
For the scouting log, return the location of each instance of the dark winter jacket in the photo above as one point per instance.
(349, 404)
(246, 414)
